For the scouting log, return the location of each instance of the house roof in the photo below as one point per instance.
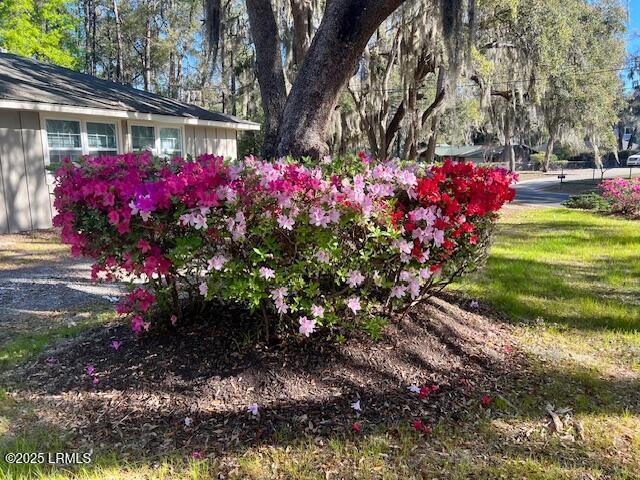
(30, 81)
(472, 151)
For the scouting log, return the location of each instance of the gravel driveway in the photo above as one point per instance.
(39, 277)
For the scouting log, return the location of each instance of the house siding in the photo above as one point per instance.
(25, 194)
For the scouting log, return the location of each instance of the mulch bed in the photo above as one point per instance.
(302, 386)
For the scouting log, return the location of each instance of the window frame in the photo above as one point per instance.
(157, 127)
(115, 131)
(84, 136)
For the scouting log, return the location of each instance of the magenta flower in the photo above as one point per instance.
(197, 455)
(90, 369)
(116, 344)
(173, 319)
(95, 380)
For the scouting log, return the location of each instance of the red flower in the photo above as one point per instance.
(485, 400)
(356, 427)
(421, 427)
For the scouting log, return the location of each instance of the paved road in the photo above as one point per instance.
(531, 192)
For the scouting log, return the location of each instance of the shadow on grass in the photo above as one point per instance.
(305, 393)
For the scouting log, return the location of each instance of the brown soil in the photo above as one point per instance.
(150, 385)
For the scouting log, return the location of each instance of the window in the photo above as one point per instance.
(143, 138)
(102, 138)
(64, 140)
(171, 142)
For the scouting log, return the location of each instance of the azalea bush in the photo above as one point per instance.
(623, 195)
(338, 244)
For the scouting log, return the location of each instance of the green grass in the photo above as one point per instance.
(573, 268)
(21, 347)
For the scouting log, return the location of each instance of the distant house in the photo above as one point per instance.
(48, 113)
(478, 153)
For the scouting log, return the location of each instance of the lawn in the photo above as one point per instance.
(569, 284)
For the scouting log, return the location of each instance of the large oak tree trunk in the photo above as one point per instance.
(266, 38)
(331, 60)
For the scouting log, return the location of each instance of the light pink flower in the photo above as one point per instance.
(204, 289)
(355, 278)
(317, 311)
(323, 256)
(267, 273)
(285, 222)
(354, 304)
(307, 326)
(398, 291)
(217, 262)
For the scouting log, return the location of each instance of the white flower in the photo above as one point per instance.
(356, 406)
(188, 421)
(413, 388)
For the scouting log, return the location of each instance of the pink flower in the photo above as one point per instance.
(52, 360)
(307, 326)
(204, 289)
(196, 454)
(398, 291)
(354, 278)
(285, 222)
(173, 319)
(95, 380)
(317, 311)
(267, 273)
(253, 409)
(354, 304)
(217, 262)
(323, 256)
(116, 344)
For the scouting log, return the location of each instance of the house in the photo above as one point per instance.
(48, 113)
(479, 153)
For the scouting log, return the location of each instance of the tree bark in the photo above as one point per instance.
(508, 155)
(147, 54)
(119, 60)
(266, 38)
(331, 60)
(549, 150)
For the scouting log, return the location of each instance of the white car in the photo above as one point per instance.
(634, 160)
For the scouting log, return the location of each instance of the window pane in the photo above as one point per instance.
(143, 138)
(102, 135)
(63, 134)
(56, 156)
(170, 141)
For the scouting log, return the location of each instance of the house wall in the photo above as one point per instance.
(219, 141)
(25, 201)
(25, 184)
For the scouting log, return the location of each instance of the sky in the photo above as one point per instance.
(633, 34)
